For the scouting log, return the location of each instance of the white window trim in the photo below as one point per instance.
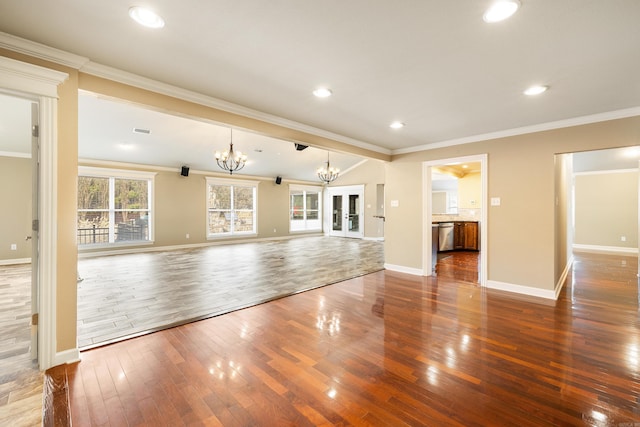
(306, 188)
(237, 183)
(98, 172)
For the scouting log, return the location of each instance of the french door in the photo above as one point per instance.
(347, 208)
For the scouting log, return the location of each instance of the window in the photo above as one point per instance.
(114, 206)
(231, 207)
(305, 208)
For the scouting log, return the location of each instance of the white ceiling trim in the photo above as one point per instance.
(135, 80)
(29, 78)
(576, 121)
(37, 50)
(606, 172)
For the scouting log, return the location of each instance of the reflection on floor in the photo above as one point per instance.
(459, 265)
(20, 379)
(124, 295)
(384, 349)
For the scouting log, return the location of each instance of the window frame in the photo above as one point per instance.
(112, 175)
(231, 183)
(316, 224)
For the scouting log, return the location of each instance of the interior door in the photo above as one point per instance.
(347, 205)
(336, 215)
(35, 216)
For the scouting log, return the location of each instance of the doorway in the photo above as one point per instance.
(478, 204)
(347, 207)
(18, 255)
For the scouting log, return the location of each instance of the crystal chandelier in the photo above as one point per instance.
(230, 160)
(328, 174)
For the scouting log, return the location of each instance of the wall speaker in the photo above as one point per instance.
(278, 180)
(185, 171)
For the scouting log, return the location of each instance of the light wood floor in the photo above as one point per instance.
(385, 349)
(124, 295)
(20, 379)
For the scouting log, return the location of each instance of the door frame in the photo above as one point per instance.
(41, 85)
(427, 217)
(345, 191)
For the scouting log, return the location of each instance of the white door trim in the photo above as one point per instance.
(427, 218)
(43, 83)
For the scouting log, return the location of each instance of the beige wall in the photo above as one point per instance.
(521, 171)
(370, 173)
(606, 209)
(470, 191)
(15, 193)
(180, 209)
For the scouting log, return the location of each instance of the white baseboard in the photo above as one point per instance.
(615, 250)
(524, 290)
(403, 269)
(66, 357)
(563, 277)
(374, 239)
(82, 254)
(15, 261)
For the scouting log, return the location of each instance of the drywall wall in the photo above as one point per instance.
(606, 209)
(15, 194)
(521, 172)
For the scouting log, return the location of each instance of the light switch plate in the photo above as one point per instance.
(395, 204)
(495, 201)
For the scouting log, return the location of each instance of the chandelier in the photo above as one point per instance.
(328, 174)
(230, 160)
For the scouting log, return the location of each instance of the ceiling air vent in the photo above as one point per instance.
(140, 130)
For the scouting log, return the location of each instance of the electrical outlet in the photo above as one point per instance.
(274, 230)
(187, 236)
(14, 247)
(623, 238)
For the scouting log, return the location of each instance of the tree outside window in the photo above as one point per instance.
(113, 207)
(231, 207)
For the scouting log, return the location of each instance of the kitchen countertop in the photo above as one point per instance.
(454, 220)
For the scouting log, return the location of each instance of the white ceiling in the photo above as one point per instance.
(435, 65)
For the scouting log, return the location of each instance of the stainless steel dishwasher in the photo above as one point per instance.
(445, 236)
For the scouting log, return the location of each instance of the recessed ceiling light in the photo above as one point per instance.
(322, 92)
(396, 125)
(536, 90)
(146, 17)
(500, 10)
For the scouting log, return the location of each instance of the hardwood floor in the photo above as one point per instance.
(127, 295)
(382, 349)
(20, 379)
(459, 265)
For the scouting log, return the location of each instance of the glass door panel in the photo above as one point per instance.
(337, 213)
(354, 215)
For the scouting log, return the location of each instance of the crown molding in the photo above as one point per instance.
(41, 51)
(135, 80)
(576, 121)
(85, 65)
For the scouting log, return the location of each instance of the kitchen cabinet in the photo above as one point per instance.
(471, 241)
(465, 235)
